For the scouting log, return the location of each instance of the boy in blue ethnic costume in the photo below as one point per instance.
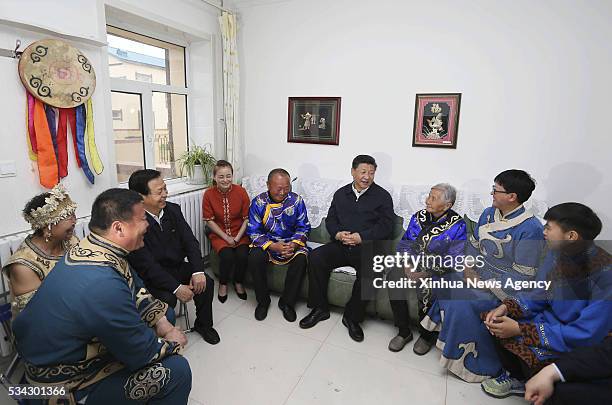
(507, 243)
(533, 329)
(278, 227)
(436, 233)
(92, 327)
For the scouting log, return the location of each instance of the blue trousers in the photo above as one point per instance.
(165, 382)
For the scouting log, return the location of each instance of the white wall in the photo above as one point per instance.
(85, 20)
(534, 77)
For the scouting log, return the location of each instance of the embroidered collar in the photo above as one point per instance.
(226, 191)
(39, 252)
(515, 212)
(95, 250)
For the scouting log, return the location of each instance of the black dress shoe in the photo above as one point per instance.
(243, 295)
(209, 335)
(314, 317)
(288, 311)
(261, 311)
(222, 299)
(355, 331)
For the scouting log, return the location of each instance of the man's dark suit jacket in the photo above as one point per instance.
(587, 363)
(371, 216)
(165, 250)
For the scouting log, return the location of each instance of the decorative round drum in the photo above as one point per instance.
(57, 73)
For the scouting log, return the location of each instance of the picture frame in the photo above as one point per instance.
(314, 120)
(436, 120)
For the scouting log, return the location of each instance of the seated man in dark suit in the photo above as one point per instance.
(578, 377)
(360, 216)
(161, 262)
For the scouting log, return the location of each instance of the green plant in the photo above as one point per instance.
(197, 155)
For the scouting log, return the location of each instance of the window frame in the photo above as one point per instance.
(146, 90)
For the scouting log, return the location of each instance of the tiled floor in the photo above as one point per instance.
(274, 362)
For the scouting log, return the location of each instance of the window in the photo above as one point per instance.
(149, 102)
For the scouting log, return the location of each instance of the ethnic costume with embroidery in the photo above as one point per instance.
(92, 320)
(575, 312)
(271, 222)
(435, 240)
(58, 206)
(59, 83)
(511, 247)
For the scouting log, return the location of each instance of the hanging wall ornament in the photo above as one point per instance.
(59, 81)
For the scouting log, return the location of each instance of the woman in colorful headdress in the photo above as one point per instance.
(52, 217)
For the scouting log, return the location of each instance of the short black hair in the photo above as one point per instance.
(367, 159)
(573, 216)
(276, 171)
(518, 182)
(114, 204)
(36, 202)
(139, 180)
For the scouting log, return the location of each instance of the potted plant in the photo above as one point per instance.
(198, 163)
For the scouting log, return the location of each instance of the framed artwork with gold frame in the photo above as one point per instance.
(436, 120)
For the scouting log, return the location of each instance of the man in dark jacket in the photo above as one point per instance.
(582, 376)
(161, 262)
(360, 215)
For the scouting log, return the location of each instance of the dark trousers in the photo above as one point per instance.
(399, 306)
(333, 255)
(596, 392)
(203, 301)
(258, 263)
(513, 364)
(233, 259)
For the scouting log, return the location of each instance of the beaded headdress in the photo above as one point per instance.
(58, 206)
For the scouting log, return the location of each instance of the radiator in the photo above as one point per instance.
(191, 205)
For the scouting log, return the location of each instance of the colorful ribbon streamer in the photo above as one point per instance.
(47, 163)
(94, 156)
(80, 136)
(31, 138)
(62, 143)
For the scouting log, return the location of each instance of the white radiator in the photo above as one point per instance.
(191, 205)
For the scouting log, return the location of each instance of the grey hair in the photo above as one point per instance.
(450, 193)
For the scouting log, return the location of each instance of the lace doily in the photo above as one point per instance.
(407, 199)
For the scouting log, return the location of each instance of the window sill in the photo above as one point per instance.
(180, 186)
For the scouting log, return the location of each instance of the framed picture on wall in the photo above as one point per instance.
(314, 120)
(436, 120)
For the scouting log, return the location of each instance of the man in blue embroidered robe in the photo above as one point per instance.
(533, 329)
(93, 327)
(434, 239)
(278, 227)
(507, 242)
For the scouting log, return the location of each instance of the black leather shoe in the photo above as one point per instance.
(314, 317)
(261, 311)
(242, 296)
(222, 299)
(355, 331)
(288, 312)
(209, 335)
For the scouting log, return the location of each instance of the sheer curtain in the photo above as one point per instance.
(231, 93)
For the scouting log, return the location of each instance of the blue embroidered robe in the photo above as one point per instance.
(443, 236)
(576, 311)
(511, 248)
(286, 221)
(90, 318)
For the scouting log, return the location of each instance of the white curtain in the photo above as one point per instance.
(231, 93)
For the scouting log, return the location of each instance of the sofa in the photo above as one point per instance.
(317, 194)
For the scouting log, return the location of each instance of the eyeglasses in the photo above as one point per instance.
(494, 191)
